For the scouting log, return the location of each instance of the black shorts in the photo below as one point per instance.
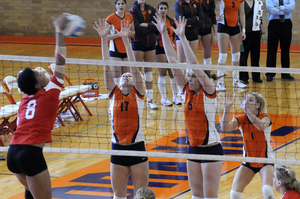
(190, 37)
(128, 161)
(211, 150)
(231, 31)
(203, 32)
(117, 54)
(160, 50)
(26, 159)
(142, 48)
(255, 169)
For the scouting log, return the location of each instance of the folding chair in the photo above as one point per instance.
(80, 90)
(11, 83)
(7, 112)
(65, 98)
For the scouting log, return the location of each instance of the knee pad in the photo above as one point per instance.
(268, 191)
(222, 58)
(236, 57)
(235, 195)
(162, 80)
(148, 77)
(207, 61)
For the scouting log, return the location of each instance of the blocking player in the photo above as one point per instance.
(199, 110)
(126, 106)
(255, 126)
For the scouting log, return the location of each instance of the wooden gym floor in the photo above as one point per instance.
(87, 176)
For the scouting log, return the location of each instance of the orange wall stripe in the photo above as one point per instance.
(88, 41)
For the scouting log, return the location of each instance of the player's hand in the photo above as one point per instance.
(243, 36)
(160, 23)
(215, 39)
(243, 103)
(228, 100)
(124, 29)
(101, 29)
(60, 22)
(180, 26)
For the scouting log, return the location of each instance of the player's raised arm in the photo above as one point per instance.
(108, 73)
(160, 24)
(136, 75)
(226, 126)
(206, 83)
(60, 49)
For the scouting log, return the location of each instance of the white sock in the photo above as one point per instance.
(149, 94)
(162, 85)
(235, 76)
(116, 197)
(207, 61)
(195, 197)
(174, 87)
(235, 195)
(117, 80)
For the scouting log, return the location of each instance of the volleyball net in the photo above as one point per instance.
(88, 130)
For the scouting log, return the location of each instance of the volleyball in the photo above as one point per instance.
(74, 27)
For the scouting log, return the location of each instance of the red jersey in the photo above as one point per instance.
(230, 11)
(291, 194)
(37, 114)
(126, 116)
(117, 45)
(169, 23)
(200, 113)
(256, 142)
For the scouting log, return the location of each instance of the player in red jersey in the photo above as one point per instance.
(117, 50)
(255, 126)
(231, 12)
(126, 106)
(285, 182)
(163, 9)
(199, 110)
(36, 117)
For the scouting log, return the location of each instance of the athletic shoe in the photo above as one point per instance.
(221, 86)
(181, 96)
(151, 104)
(177, 100)
(239, 84)
(165, 102)
(2, 157)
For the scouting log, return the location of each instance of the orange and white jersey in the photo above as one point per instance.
(117, 45)
(256, 142)
(200, 113)
(126, 116)
(230, 9)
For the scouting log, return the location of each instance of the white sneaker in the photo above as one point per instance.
(151, 104)
(177, 100)
(166, 102)
(221, 86)
(181, 96)
(239, 84)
